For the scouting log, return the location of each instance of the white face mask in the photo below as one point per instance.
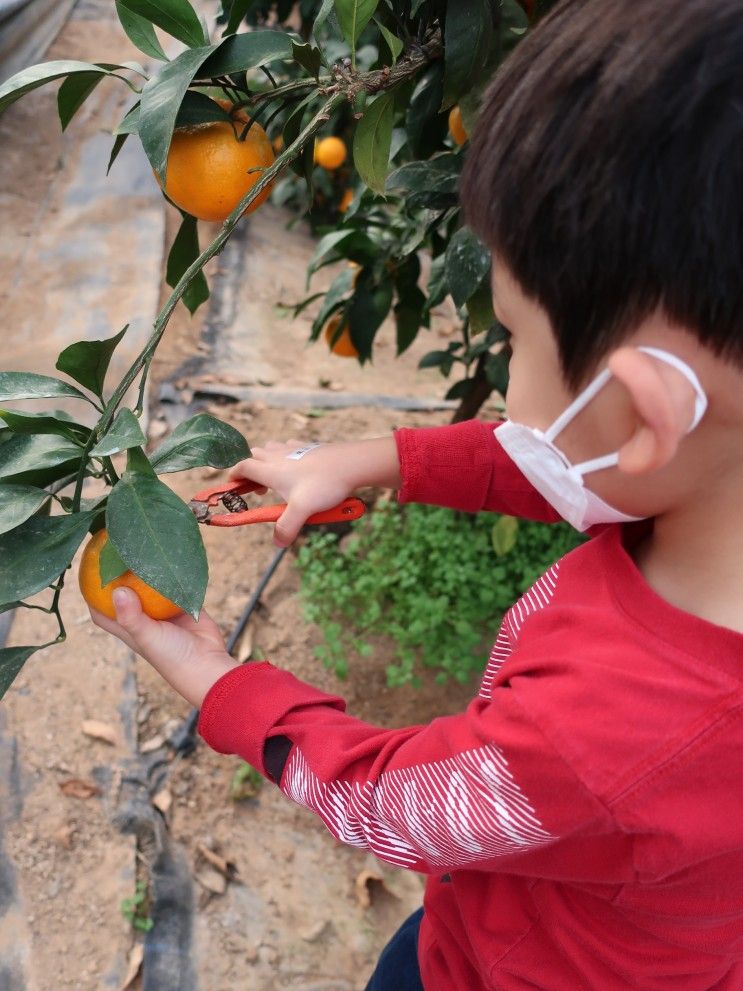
(552, 474)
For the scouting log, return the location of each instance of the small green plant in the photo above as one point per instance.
(135, 910)
(434, 582)
(246, 783)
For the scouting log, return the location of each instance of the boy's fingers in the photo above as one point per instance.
(256, 471)
(130, 616)
(288, 525)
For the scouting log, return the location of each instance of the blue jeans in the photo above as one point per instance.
(397, 969)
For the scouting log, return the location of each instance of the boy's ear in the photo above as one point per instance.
(663, 402)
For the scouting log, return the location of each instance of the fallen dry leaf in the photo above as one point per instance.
(226, 867)
(366, 883)
(163, 800)
(77, 788)
(154, 743)
(97, 730)
(211, 880)
(135, 962)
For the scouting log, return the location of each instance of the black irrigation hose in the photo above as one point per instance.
(183, 739)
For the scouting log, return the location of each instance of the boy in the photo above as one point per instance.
(582, 822)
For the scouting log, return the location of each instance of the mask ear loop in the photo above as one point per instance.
(700, 401)
(577, 405)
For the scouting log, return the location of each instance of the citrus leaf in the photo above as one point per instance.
(238, 10)
(504, 534)
(12, 660)
(29, 385)
(110, 565)
(480, 308)
(334, 299)
(371, 143)
(87, 361)
(115, 149)
(129, 123)
(467, 264)
(496, 371)
(308, 56)
(198, 108)
(353, 16)
(176, 17)
(409, 316)
(158, 538)
(161, 99)
(367, 311)
(18, 503)
(322, 15)
(250, 50)
(33, 554)
(73, 92)
(468, 37)
(140, 31)
(46, 72)
(393, 43)
(202, 440)
(56, 422)
(124, 432)
(184, 251)
(137, 463)
(37, 459)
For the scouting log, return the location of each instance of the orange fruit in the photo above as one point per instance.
(209, 169)
(100, 597)
(330, 153)
(278, 144)
(343, 346)
(456, 126)
(346, 201)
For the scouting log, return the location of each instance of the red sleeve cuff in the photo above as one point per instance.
(447, 466)
(242, 707)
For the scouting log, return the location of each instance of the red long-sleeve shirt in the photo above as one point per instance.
(582, 820)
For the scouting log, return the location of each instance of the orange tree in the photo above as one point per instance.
(381, 75)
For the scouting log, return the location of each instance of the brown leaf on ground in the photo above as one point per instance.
(77, 788)
(135, 962)
(367, 882)
(211, 880)
(225, 867)
(163, 800)
(97, 730)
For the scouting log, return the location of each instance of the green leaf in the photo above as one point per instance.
(110, 565)
(334, 298)
(305, 163)
(137, 463)
(353, 16)
(430, 185)
(437, 288)
(201, 440)
(371, 143)
(468, 37)
(496, 371)
(250, 50)
(409, 316)
(35, 553)
(18, 503)
(29, 385)
(158, 538)
(37, 459)
(425, 126)
(87, 361)
(183, 253)
(238, 10)
(12, 660)
(160, 102)
(329, 248)
(480, 308)
(129, 123)
(393, 43)
(308, 56)
(57, 422)
(322, 15)
(73, 92)
(198, 108)
(368, 309)
(176, 17)
(124, 432)
(115, 149)
(140, 31)
(46, 72)
(467, 264)
(504, 535)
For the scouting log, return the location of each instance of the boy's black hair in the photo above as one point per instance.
(606, 171)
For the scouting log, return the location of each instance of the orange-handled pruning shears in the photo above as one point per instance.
(238, 513)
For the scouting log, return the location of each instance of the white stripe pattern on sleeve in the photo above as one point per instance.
(537, 597)
(451, 813)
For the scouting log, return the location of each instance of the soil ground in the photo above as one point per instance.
(294, 916)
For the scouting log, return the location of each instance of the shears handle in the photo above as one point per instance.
(344, 512)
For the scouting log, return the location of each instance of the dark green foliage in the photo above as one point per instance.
(427, 579)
